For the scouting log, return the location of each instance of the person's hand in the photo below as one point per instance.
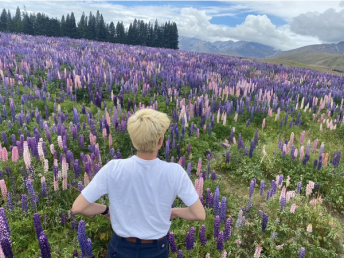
(173, 214)
(108, 216)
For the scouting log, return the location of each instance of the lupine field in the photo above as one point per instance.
(261, 142)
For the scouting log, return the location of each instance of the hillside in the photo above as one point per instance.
(320, 61)
(332, 48)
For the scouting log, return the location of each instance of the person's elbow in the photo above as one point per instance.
(202, 216)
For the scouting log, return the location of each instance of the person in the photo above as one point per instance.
(141, 192)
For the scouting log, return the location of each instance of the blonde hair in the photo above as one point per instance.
(146, 127)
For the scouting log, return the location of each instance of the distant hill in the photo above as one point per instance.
(237, 49)
(332, 48)
(320, 59)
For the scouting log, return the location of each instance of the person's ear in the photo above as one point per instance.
(161, 140)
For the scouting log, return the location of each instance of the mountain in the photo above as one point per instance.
(333, 48)
(237, 49)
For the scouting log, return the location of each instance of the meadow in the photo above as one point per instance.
(261, 142)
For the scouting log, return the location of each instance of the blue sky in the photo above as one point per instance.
(281, 24)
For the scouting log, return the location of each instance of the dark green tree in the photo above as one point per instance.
(82, 26)
(121, 35)
(112, 32)
(73, 31)
(17, 22)
(27, 24)
(3, 20)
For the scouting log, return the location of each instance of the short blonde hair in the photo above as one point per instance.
(146, 127)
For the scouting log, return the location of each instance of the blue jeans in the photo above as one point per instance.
(120, 248)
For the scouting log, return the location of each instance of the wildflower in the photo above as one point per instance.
(199, 166)
(251, 188)
(299, 185)
(223, 209)
(280, 247)
(258, 251)
(228, 229)
(216, 226)
(238, 241)
(220, 241)
(283, 202)
(24, 203)
(82, 237)
(262, 186)
(216, 201)
(302, 252)
(190, 239)
(37, 224)
(309, 228)
(3, 189)
(265, 221)
(240, 219)
(292, 209)
(202, 236)
(224, 254)
(6, 246)
(180, 254)
(44, 245)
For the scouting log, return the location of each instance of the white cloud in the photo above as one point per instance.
(327, 26)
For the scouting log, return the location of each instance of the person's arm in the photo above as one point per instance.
(195, 212)
(83, 207)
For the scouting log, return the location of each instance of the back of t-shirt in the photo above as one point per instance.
(141, 193)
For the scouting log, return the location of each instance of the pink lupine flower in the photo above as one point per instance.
(292, 209)
(302, 137)
(110, 141)
(56, 185)
(40, 175)
(64, 183)
(200, 186)
(86, 179)
(315, 146)
(4, 154)
(3, 189)
(65, 166)
(258, 251)
(263, 124)
(26, 155)
(42, 179)
(291, 142)
(321, 127)
(236, 117)
(288, 181)
(59, 175)
(270, 112)
(295, 152)
(283, 193)
(40, 150)
(313, 202)
(225, 119)
(309, 228)
(197, 133)
(15, 154)
(59, 142)
(199, 166)
(46, 165)
(264, 152)
(0, 153)
(52, 149)
(302, 153)
(197, 185)
(238, 241)
(224, 254)
(234, 141)
(207, 255)
(205, 127)
(104, 134)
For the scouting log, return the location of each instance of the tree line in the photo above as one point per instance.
(92, 27)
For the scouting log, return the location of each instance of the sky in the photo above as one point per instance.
(284, 25)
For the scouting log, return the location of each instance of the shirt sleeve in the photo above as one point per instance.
(99, 184)
(186, 191)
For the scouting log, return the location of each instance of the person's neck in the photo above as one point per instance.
(147, 155)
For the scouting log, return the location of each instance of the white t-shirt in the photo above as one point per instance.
(141, 193)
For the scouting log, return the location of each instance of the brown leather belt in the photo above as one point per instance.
(143, 241)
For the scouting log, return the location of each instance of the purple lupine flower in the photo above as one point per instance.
(82, 238)
(178, 150)
(31, 192)
(6, 246)
(24, 203)
(216, 226)
(216, 201)
(167, 150)
(227, 157)
(190, 240)
(319, 164)
(188, 169)
(44, 245)
(273, 187)
(201, 198)
(262, 186)
(228, 230)
(75, 254)
(89, 250)
(81, 141)
(9, 200)
(80, 186)
(213, 176)
(202, 235)
(223, 209)
(283, 202)
(240, 142)
(240, 219)
(299, 185)
(189, 149)
(37, 224)
(302, 252)
(315, 163)
(4, 226)
(321, 151)
(210, 199)
(180, 254)
(251, 188)
(265, 221)
(280, 179)
(44, 189)
(306, 159)
(220, 242)
(209, 169)
(64, 219)
(274, 235)
(172, 242)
